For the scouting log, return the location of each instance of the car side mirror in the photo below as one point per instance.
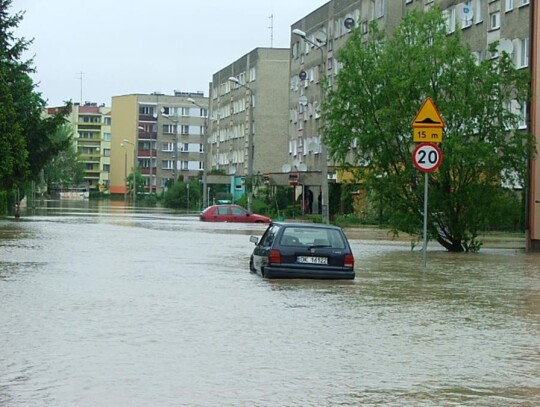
(254, 239)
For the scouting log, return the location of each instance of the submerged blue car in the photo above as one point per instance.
(302, 250)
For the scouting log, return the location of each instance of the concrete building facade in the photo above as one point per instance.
(314, 55)
(315, 41)
(91, 125)
(253, 106)
(161, 136)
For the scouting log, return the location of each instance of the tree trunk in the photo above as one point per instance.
(451, 245)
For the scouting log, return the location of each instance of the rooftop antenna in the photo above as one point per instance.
(81, 79)
(271, 30)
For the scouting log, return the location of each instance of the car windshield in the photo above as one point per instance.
(309, 236)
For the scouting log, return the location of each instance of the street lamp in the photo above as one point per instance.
(175, 139)
(205, 145)
(251, 146)
(324, 154)
(134, 170)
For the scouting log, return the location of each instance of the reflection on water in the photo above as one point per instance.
(110, 305)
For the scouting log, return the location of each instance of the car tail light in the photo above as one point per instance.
(274, 257)
(349, 260)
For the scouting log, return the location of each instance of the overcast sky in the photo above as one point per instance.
(136, 46)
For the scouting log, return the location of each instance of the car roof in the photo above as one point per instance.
(306, 225)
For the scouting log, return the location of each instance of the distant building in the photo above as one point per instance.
(257, 103)
(162, 136)
(92, 136)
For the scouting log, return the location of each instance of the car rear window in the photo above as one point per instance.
(309, 236)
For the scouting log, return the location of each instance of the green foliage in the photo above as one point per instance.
(26, 142)
(139, 183)
(183, 195)
(275, 201)
(64, 169)
(378, 91)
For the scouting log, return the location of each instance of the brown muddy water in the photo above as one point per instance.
(110, 306)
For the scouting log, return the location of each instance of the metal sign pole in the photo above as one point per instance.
(425, 217)
(428, 127)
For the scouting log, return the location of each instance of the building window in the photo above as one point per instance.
(364, 27)
(167, 164)
(90, 119)
(146, 110)
(86, 134)
(184, 129)
(478, 11)
(107, 120)
(467, 15)
(508, 5)
(495, 20)
(107, 167)
(524, 2)
(106, 152)
(168, 147)
(379, 8)
(449, 16)
(169, 129)
(107, 136)
(477, 55)
(521, 54)
(522, 124)
(185, 111)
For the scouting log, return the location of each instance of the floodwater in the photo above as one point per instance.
(110, 306)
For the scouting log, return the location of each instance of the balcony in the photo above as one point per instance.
(146, 135)
(147, 153)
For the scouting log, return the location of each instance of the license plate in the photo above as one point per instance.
(312, 260)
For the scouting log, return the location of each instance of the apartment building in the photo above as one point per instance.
(317, 38)
(161, 136)
(91, 125)
(315, 41)
(248, 121)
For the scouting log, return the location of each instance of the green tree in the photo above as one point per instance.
(26, 139)
(139, 183)
(183, 195)
(368, 115)
(64, 169)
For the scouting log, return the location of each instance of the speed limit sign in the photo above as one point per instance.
(427, 157)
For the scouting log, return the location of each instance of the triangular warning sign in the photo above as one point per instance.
(428, 116)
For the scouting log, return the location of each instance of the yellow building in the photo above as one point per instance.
(161, 136)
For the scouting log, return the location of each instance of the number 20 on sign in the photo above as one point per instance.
(427, 157)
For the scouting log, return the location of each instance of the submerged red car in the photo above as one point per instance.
(231, 213)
